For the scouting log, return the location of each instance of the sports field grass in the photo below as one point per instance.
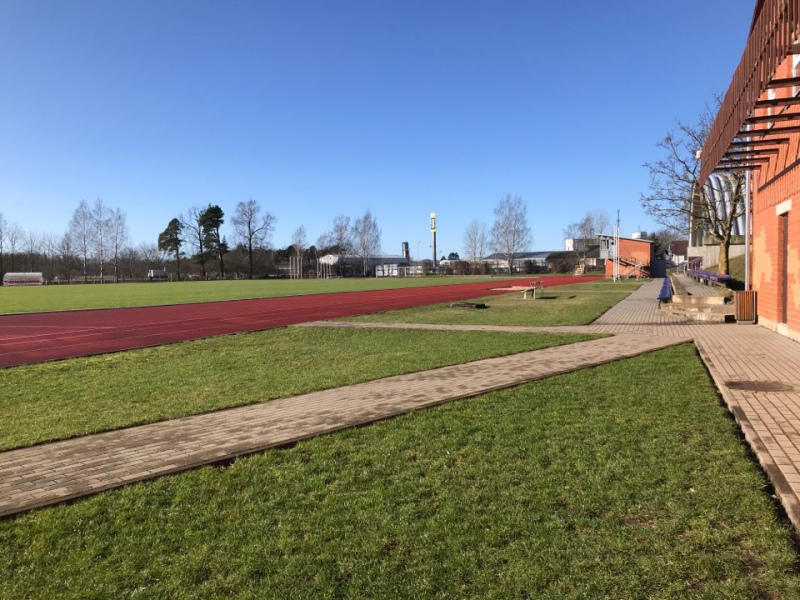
(578, 304)
(111, 295)
(85, 395)
(596, 484)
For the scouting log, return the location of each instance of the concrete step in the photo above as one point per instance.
(705, 317)
(699, 300)
(719, 309)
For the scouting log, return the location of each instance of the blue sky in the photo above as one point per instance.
(322, 107)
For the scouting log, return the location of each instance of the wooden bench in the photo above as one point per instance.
(536, 284)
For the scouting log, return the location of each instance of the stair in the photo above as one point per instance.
(702, 312)
(708, 308)
(635, 268)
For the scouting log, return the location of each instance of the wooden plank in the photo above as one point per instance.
(773, 118)
(769, 142)
(762, 152)
(749, 160)
(792, 101)
(739, 168)
(785, 82)
(770, 131)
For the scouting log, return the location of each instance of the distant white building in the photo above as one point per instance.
(537, 260)
(381, 265)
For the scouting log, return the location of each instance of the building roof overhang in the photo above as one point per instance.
(774, 35)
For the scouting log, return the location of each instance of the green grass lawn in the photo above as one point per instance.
(111, 295)
(624, 481)
(578, 304)
(85, 395)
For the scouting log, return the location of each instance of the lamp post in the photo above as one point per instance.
(433, 233)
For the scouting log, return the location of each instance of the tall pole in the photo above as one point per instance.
(433, 233)
(616, 249)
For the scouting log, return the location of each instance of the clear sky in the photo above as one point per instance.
(322, 107)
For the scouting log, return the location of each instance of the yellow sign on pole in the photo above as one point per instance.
(433, 222)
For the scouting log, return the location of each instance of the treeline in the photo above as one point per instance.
(96, 246)
(197, 248)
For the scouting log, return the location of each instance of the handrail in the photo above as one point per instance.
(771, 40)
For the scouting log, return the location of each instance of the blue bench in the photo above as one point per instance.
(666, 292)
(709, 276)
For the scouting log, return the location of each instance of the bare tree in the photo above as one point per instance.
(341, 237)
(3, 235)
(476, 239)
(196, 237)
(252, 227)
(150, 255)
(592, 224)
(299, 242)
(587, 229)
(130, 258)
(677, 199)
(80, 229)
(510, 232)
(15, 237)
(50, 251)
(31, 249)
(118, 237)
(101, 229)
(66, 256)
(324, 241)
(367, 238)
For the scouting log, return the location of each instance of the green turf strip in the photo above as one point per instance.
(86, 395)
(624, 481)
(563, 305)
(73, 297)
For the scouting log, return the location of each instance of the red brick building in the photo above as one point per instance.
(635, 258)
(757, 130)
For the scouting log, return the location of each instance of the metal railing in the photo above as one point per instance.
(771, 40)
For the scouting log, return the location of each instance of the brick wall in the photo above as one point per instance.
(775, 184)
(638, 251)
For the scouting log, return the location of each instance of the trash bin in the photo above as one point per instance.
(746, 306)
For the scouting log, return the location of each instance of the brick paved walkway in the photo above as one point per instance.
(736, 356)
(49, 473)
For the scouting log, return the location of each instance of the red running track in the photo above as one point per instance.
(40, 337)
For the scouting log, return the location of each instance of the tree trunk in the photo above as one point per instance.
(724, 267)
(178, 260)
(250, 255)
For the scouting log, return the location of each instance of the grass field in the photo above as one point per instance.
(67, 398)
(73, 297)
(578, 304)
(596, 484)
